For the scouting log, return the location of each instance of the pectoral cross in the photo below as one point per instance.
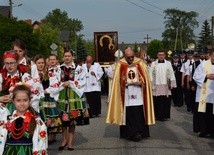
(131, 74)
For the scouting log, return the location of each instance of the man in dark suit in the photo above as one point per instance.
(177, 95)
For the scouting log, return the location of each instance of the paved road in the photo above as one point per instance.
(173, 137)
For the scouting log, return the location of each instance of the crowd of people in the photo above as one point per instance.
(142, 95)
(41, 98)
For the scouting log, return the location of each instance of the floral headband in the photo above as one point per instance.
(11, 54)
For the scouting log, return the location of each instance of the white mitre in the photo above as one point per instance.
(118, 54)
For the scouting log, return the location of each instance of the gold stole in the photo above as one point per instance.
(116, 109)
(204, 89)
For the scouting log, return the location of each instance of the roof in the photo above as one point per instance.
(5, 11)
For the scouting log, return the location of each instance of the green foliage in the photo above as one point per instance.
(180, 23)
(81, 51)
(11, 29)
(59, 19)
(135, 49)
(154, 47)
(46, 36)
(205, 37)
(89, 46)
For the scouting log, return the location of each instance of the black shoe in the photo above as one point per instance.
(93, 116)
(62, 147)
(202, 135)
(70, 148)
(135, 138)
(160, 119)
(54, 140)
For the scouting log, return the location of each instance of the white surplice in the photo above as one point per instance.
(93, 81)
(162, 77)
(199, 77)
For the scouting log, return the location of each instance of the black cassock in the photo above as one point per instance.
(177, 93)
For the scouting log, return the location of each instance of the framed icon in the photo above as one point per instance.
(106, 44)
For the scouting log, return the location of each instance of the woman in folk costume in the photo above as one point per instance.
(22, 133)
(71, 99)
(13, 73)
(48, 109)
(20, 47)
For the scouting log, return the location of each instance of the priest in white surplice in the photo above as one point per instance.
(94, 74)
(204, 77)
(163, 80)
(131, 103)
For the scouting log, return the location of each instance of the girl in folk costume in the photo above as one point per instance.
(71, 99)
(22, 133)
(20, 47)
(13, 73)
(48, 110)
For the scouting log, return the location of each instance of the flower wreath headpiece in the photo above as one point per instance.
(18, 84)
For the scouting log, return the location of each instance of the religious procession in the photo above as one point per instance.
(42, 98)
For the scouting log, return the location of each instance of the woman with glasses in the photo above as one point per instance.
(13, 73)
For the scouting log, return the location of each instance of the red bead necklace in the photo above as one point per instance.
(18, 133)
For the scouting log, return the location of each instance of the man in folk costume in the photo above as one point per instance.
(204, 77)
(94, 74)
(163, 80)
(131, 103)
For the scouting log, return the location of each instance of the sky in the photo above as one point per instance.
(132, 19)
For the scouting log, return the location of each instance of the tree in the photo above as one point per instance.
(89, 46)
(11, 29)
(153, 48)
(46, 36)
(59, 19)
(205, 37)
(81, 51)
(179, 27)
(135, 48)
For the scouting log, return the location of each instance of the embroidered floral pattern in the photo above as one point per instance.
(132, 96)
(43, 152)
(42, 134)
(74, 113)
(56, 85)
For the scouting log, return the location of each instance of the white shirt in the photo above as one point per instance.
(199, 77)
(93, 81)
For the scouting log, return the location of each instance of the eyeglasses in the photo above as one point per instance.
(10, 63)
